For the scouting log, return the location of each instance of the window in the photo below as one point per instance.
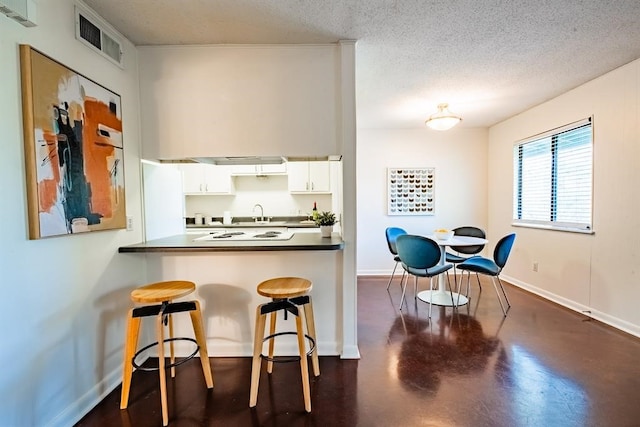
(552, 185)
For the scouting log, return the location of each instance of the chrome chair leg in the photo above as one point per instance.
(498, 295)
(467, 291)
(392, 274)
(468, 285)
(504, 292)
(403, 284)
(455, 276)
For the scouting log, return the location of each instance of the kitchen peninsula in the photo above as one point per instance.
(227, 272)
(301, 103)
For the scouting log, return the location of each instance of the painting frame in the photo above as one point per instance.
(73, 150)
(411, 191)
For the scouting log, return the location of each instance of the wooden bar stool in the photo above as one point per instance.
(290, 294)
(163, 293)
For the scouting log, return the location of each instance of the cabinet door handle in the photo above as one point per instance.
(312, 187)
(200, 187)
(306, 187)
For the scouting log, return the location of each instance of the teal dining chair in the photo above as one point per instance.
(492, 267)
(420, 257)
(462, 253)
(392, 233)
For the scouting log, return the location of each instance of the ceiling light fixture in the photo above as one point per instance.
(443, 119)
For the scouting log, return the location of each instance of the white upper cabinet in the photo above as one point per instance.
(280, 169)
(309, 177)
(206, 179)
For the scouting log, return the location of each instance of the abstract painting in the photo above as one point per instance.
(411, 191)
(73, 150)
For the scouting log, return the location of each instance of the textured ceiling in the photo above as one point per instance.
(488, 59)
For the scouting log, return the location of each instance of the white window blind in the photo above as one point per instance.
(553, 178)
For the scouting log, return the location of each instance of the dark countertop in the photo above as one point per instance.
(185, 243)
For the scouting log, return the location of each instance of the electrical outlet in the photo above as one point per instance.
(129, 223)
(535, 266)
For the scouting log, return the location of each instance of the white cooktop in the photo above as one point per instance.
(260, 234)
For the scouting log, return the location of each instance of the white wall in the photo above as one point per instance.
(596, 272)
(65, 298)
(239, 100)
(460, 158)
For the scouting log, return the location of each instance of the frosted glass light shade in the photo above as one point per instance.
(443, 119)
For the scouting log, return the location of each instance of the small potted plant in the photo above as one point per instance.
(326, 221)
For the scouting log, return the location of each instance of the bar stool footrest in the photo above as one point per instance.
(169, 365)
(287, 359)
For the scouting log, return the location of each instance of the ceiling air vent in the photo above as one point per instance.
(23, 11)
(97, 34)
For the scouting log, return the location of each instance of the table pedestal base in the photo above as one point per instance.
(442, 298)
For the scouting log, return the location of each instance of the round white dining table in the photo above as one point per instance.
(441, 296)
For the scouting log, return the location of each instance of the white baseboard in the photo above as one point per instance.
(350, 352)
(72, 414)
(378, 272)
(605, 318)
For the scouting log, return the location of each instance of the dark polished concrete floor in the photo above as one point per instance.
(542, 365)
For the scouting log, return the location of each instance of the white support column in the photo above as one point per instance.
(347, 145)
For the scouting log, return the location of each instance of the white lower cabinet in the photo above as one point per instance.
(206, 179)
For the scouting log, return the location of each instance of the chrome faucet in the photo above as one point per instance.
(258, 205)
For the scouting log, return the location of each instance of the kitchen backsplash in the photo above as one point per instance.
(271, 193)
